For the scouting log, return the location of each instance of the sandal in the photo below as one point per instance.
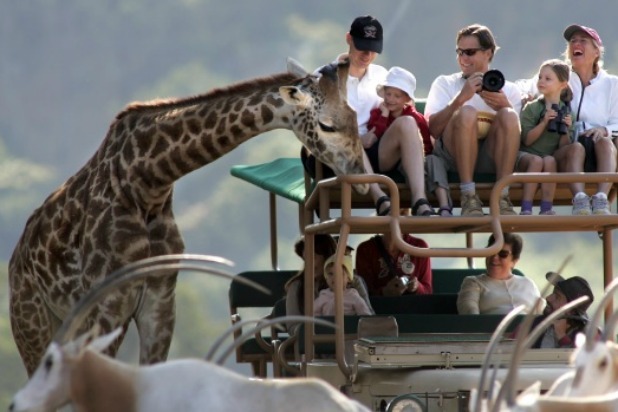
(445, 211)
(380, 202)
(420, 202)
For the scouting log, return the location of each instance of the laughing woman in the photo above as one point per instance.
(499, 291)
(595, 116)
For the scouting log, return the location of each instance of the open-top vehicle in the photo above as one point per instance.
(431, 359)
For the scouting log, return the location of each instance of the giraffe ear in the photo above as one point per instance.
(294, 96)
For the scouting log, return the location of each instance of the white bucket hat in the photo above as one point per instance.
(399, 78)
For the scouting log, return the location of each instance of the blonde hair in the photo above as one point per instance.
(347, 264)
(598, 62)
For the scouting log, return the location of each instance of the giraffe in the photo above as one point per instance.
(117, 208)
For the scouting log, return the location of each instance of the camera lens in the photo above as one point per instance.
(493, 80)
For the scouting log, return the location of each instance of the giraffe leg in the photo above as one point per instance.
(155, 320)
(32, 322)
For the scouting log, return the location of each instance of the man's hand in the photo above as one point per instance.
(495, 100)
(472, 86)
(395, 287)
(413, 285)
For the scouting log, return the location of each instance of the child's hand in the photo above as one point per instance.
(369, 138)
(384, 110)
(568, 120)
(550, 114)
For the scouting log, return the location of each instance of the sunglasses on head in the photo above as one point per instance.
(468, 52)
(503, 254)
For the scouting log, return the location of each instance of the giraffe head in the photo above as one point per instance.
(324, 122)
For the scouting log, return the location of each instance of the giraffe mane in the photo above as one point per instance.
(240, 87)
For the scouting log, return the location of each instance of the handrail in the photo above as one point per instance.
(321, 196)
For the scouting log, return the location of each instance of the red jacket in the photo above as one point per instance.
(381, 123)
(371, 266)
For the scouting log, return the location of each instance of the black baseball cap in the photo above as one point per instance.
(573, 288)
(366, 32)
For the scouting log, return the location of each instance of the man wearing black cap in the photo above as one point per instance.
(562, 333)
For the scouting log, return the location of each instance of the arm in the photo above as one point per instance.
(469, 296)
(359, 305)
(423, 274)
(291, 299)
(532, 125)
(378, 120)
(438, 114)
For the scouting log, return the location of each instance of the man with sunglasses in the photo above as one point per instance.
(452, 109)
(498, 291)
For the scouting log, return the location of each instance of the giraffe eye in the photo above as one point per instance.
(326, 128)
(49, 362)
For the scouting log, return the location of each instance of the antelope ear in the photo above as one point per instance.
(101, 343)
(580, 340)
(294, 96)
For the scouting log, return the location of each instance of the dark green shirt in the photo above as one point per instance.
(530, 117)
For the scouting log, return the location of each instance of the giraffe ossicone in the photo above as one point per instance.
(117, 208)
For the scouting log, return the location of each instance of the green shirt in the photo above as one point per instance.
(530, 117)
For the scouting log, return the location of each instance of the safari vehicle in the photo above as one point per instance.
(433, 358)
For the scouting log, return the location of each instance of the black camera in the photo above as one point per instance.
(557, 124)
(493, 80)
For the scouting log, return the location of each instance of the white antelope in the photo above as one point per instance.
(79, 374)
(75, 372)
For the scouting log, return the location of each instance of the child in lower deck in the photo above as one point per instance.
(546, 126)
(353, 303)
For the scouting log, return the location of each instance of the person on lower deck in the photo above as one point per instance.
(353, 303)
(499, 291)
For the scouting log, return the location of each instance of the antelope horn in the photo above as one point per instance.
(493, 342)
(593, 325)
(159, 265)
(609, 333)
(508, 388)
(261, 324)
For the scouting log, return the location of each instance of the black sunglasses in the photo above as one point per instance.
(503, 254)
(468, 52)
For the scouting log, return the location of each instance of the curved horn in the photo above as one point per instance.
(261, 324)
(159, 265)
(540, 328)
(507, 391)
(593, 325)
(493, 342)
(609, 333)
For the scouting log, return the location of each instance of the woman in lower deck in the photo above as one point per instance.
(499, 291)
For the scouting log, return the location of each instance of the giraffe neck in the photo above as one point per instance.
(160, 142)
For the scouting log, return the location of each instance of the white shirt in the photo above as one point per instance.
(362, 94)
(445, 87)
(483, 294)
(597, 104)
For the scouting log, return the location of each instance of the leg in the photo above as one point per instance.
(402, 141)
(460, 140)
(502, 144)
(570, 159)
(529, 163)
(503, 141)
(548, 189)
(605, 152)
(379, 197)
(443, 202)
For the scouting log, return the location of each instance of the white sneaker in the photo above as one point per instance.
(600, 205)
(581, 205)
